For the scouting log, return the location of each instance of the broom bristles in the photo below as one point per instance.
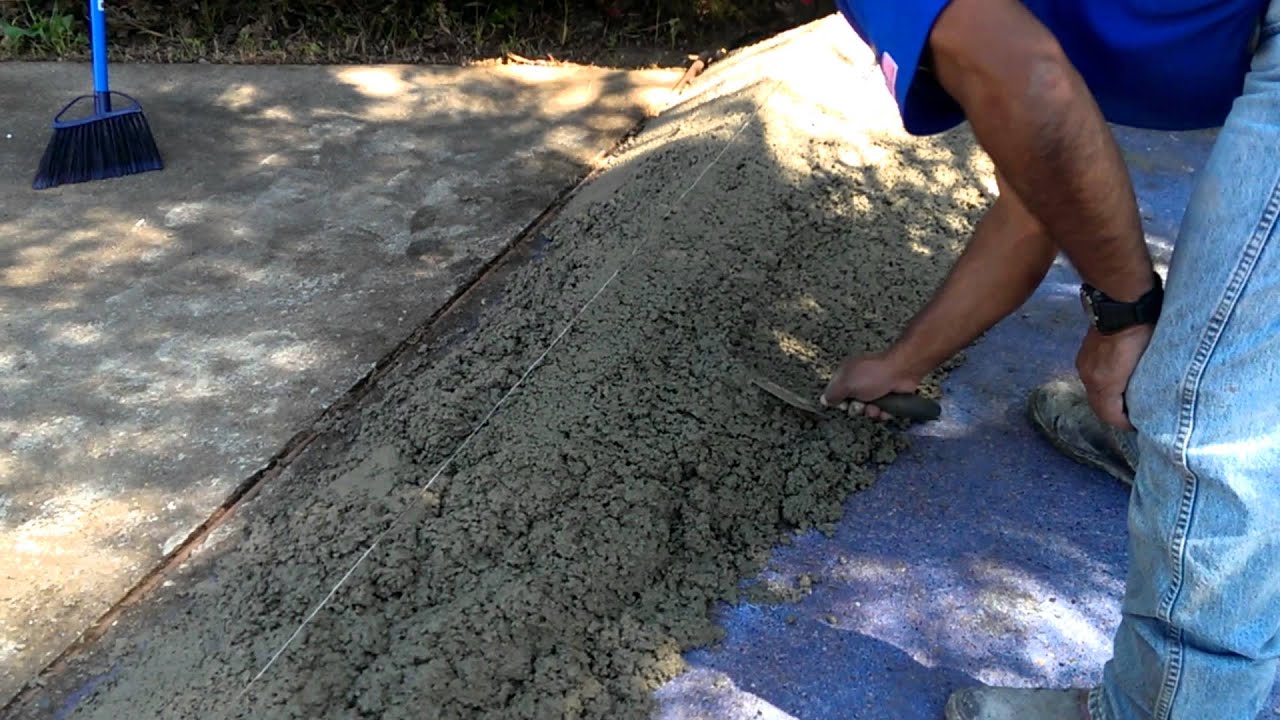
(97, 149)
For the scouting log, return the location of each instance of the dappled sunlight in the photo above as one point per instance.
(321, 230)
(948, 176)
(953, 425)
(399, 92)
(65, 547)
(67, 514)
(71, 262)
(565, 92)
(1161, 252)
(721, 81)
(241, 96)
(989, 183)
(278, 113)
(833, 105)
(920, 248)
(388, 94)
(795, 347)
(1096, 573)
(185, 213)
(41, 525)
(914, 177)
(1247, 456)
(937, 614)
(166, 334)
(862, 128)
(375, 82)
(981, 555)
(716, 130)
(42, 432)
(530, 73)
(1058, 290)
(865, 153)
(808, 302)
(1009, 600)
(704, 693)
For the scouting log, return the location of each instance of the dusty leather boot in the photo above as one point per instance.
(1060, 411)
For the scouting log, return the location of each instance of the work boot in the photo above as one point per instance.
(1060, 411)
(991, 703)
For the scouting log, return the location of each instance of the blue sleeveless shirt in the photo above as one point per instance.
(1160, 64)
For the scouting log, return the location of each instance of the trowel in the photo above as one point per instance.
(902, 405)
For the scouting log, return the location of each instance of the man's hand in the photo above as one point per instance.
(1106, 362)
(861, 379)
(999, 269)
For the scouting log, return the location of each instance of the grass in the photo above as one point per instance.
(31, 29)
(619, 32)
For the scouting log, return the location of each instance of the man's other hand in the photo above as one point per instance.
(1105, 363)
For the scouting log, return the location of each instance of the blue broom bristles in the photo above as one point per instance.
(98, 147)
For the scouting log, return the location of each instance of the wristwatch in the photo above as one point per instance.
(1111, 316)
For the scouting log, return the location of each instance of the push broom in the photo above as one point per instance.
(110, 142)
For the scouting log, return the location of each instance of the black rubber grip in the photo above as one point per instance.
(910, 407)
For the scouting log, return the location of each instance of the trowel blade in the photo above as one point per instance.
(907, 406)
(789, 397)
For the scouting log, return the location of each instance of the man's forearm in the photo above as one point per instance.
(1002, 265)
(1034, 115)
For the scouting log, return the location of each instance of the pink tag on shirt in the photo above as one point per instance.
(890, 69)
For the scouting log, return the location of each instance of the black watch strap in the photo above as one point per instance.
(1111, 316)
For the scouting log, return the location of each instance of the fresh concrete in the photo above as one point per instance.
(162, 336)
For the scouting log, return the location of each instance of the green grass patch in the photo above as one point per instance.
(319, 31)
(41, 29)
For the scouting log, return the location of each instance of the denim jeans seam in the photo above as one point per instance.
(1172, 676)
(1240, 276)
(1097, 710)
(1186, 505)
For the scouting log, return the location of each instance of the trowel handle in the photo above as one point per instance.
(909, 406)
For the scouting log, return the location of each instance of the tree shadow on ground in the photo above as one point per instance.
(166, 334)
(558, 560)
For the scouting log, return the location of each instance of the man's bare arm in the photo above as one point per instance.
(1002, 265)
(1035, 117)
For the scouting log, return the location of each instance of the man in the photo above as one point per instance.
(1197, 393)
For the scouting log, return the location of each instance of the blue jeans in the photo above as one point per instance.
(1200, 634)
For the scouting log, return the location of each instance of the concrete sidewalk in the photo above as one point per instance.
(165, 335)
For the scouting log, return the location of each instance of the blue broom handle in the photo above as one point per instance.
(98, 30)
